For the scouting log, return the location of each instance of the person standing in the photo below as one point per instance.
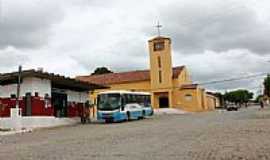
(261, 103)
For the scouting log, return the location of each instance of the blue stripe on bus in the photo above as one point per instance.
(121, 116)
(148, 112)
(135, 114)
(115, 116)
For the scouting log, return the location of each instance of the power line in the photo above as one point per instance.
(233, 79)
(222, 81)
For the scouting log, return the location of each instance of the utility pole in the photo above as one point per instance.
(18, 86)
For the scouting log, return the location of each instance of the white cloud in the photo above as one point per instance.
(215, 39)
(212, 66)
(11, 58)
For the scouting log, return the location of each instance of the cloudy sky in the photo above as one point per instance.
(215, 39)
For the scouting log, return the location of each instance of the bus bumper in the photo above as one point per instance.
(148, 112)
(111, 117)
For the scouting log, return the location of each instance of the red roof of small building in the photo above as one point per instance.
(56, 80)
(124, 77)
(189, 86)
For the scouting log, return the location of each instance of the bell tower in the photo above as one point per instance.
(160, 62)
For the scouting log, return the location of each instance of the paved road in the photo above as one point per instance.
(201, 136)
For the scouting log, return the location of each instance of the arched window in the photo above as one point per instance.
(158, 46)
(160, 76)
(159, 62)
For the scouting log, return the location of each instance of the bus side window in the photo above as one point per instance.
(123, 102)
(144, 100)
(141, 99)
(148, 101)
(137, 98)
(132, 98)
(126, 99)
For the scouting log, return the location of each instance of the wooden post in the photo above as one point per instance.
(18, 86)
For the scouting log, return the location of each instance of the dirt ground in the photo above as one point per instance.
(244, 134)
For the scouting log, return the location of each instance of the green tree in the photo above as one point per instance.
(240, 96)
(101, 70)
(266, 84)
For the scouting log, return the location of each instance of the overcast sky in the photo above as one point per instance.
(215, 39)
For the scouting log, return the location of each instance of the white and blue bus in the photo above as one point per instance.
(114, 106)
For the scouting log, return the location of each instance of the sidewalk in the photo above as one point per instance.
(5, 133)
(162, 111)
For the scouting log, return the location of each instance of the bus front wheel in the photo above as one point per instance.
(143, 114)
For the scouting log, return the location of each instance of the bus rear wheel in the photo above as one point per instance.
(143, 114)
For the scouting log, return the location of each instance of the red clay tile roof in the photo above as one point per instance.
(56, 80)
(124, 77)
(159, 38)
(189, 86)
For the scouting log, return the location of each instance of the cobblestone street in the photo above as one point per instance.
(208, 136)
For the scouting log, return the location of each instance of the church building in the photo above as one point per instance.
(170, 87)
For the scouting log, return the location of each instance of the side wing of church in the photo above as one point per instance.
(170, 87)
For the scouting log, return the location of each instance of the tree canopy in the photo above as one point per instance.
(101, 70)
(238, 96)
(266, 84)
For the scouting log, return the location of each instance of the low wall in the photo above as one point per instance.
(37, 122)
(39, 107)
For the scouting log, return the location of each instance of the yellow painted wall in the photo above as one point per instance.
(200, 101)
(181, 101)
(211, 102)
(183, 78)
(165, 66)
(135, 86)
(177, 97)
(169, 87)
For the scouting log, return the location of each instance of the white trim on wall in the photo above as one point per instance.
(29, 85)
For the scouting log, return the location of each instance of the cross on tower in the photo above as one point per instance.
(158, 28)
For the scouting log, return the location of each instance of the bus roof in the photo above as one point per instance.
(124, 92)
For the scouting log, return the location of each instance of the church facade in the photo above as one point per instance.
(170, 87)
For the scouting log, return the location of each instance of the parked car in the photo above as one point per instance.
(232, 107)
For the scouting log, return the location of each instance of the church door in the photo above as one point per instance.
(163, 102)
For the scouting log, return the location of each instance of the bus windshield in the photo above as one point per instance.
(108, 101)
